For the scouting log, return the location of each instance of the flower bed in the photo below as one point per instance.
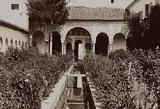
(126, 80)
(27, 77)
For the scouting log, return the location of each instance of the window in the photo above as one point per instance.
(15, 6)
(112, 1)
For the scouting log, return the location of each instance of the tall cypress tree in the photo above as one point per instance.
(49, 14)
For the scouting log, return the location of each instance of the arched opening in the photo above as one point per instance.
(6, 43)
(20, 44)
(1, 43)
(102, 43)
(39, 41)
(79, 37)
(26, 44)
(119, 41)
(16, 43)
(88, 48)
(77, 49)
(69, 48)
(11, 43)
(56, 44)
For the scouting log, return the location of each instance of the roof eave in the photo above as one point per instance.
(12, 26)
(135, 1)
(96, 20)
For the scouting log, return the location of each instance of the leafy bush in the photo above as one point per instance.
(126, 80)
(144, 33)
(27, 77)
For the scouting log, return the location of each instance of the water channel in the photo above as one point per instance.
(78, 91)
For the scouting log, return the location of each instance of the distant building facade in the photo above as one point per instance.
(14, 12)
(101, 3)
(87, 31)
(13, 24)
(12, 36)
(142, 7)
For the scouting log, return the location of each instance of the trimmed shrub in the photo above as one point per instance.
(126, 80)
(27, 77)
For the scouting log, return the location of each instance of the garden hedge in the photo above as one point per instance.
(27, 77)
(126, 80)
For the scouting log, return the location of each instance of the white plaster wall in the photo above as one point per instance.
(11, 34)
(140, 6)
(16, 17)
(111, 28)
(100, 3)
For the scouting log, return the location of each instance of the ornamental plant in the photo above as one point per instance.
(27, 77)
(126, 80)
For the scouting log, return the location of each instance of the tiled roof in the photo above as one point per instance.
(86, 13)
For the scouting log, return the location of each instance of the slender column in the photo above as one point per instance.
(63, 48)
(73, 45)
(110, 48)
(30, 40)
(94, 47)
(51, 42)
(47, 47)
(84, 49)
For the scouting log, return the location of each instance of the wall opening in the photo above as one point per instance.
(88, 48)
(1, 43)
(69, 48)
(39, 41)
(102, 43)
(11, 43)
(79, 37)
(6, 43)
(56, 43)
(20, 44)
(76, 50)
(119, 42)
(15, 43)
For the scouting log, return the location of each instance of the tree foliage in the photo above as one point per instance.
(50, 14)
(145, 33)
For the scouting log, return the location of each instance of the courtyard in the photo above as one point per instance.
(78, 54)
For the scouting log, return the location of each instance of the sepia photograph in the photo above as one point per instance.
(79, 54)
